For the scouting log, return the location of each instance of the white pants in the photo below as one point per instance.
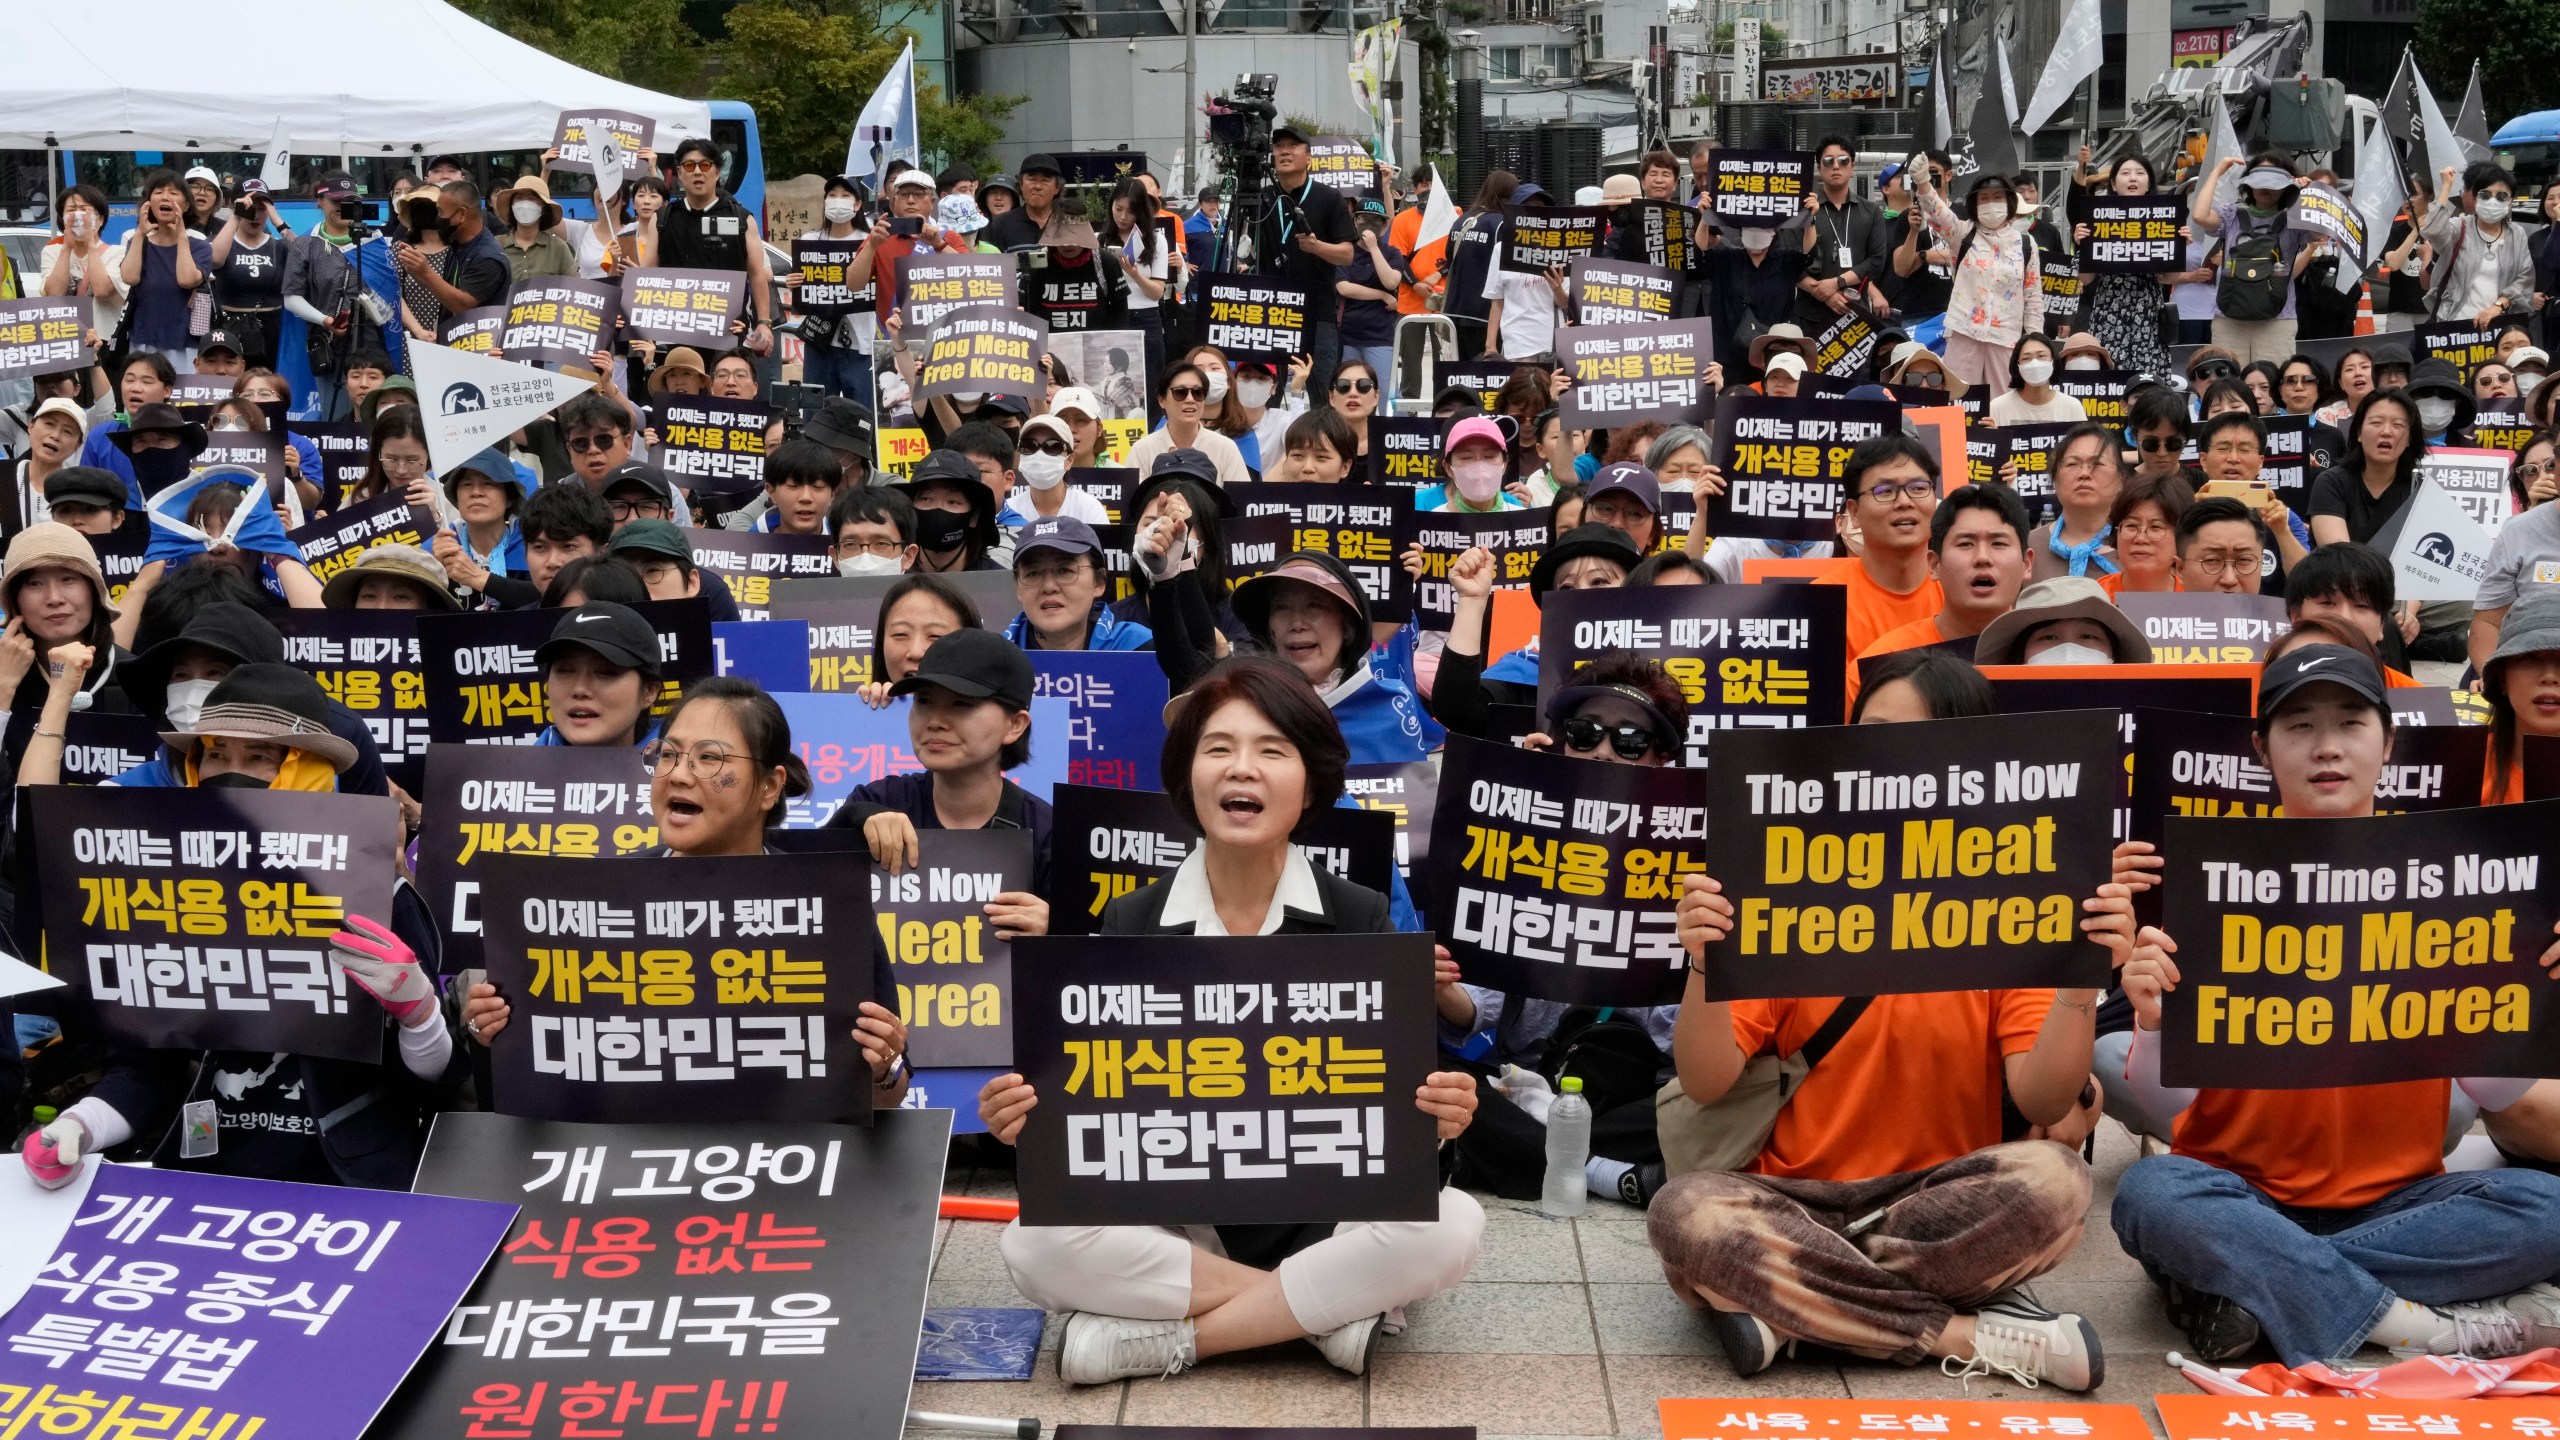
(1142, 1272)
(2254, 340)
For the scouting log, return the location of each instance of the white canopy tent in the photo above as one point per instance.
(353, 77)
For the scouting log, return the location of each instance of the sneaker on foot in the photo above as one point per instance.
(1641, 1183)
(2016, 1338)
(2495, 1328)
(2217, 1329)
(1750, 1346)
(1346, 1347)
(1097, 1349)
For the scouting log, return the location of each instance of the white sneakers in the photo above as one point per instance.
(1097, 1349)
(2021, 1340)
(2487, 1329)
(1347, 1348)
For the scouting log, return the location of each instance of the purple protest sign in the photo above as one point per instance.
(213, 1305)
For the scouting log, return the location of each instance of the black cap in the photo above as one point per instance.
(643, 474)
(615, 632)
(1063, 533)
(86, 485)
(1043, 163)
(160, 417)
(1186, 462)
(1136, 504)
(1594, 539)
(977, 665)
(841, 424)
(2321, 665)
(220, 340)
(1287, 131)
(954, 467)
(223, 627)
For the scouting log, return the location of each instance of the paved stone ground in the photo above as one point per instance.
(1564, 1329)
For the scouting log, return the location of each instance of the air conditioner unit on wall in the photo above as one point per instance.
(1542, 72)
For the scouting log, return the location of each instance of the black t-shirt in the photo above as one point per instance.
(1924, 291)
(2407, 293)
(1012, 230)
(1311, 209)
(2340, 491)
(1471, 249)
(1370, 322)
(251, 277)
(481, 270)
(1067, 294)
(714, 238)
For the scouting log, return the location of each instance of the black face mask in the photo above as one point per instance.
(939, 530)
(159, 469)
(231, 780)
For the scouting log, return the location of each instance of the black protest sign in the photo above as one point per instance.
(712, 447)
(2134, 235)
(1661, 233)
(2287, 468)
(1559, 878)
(1254, 544)
(2039, 689)
(1108, 485)
(1616, 292)
(1108, 842)
(734, 1271)
(486, 802)
(2359, 952)
(1782, 461)
(1515, 539)
(2459, 343)
(2059, 277)
(2475, 479)
(345, 451)
(954, 972)
(642, 987)
(682, 307)
(2100, 392)
(44, 337)
(1295, 1059)
(1538, 238)
(476, 331)
(1406, 793)
(1847, 346)
(199, 919)
(1404, 450)
(985, 351)
(96, 746)
(1342, 164)
(2499, 425)
(1758, 187)
(2203, 627)
(2036, 452)
(1746, 656)
(829, 283)
(1628, 374)
(2540, 763)
(368, 662)
(577, 131)
(1355, 524)
(844, 614)
(1858, 867)
(1982, 460)
(931, 286)
(261, 451)
(1250, 317)
(2436, 705)
(1238, 1432)
(556, 321)
(750, 561)
(121, 554)
(337, 540)
(2324, 212)
(484, 689)
(195, 396)
(1486, 378)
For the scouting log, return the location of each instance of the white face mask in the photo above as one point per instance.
(2525, 381)
(525, 211)
(1254, 393)
(1991, 214)
(2073, 655)
(968, 397)
(1042, 472)
(229, 423)
(2493, 212)
(2083, 362)
(2435, 414)
(1478, 480)
(2035, 372)
(1757, 239)
(1217, 385)
(856, 566)
(840, 211)
(185, 702)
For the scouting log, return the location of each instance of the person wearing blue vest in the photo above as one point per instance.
(1309, 612)
(1060, 577)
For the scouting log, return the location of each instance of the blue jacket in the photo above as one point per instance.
(102, 453)
(1109, 632)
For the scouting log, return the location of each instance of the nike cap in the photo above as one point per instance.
(615, 632)
(2320, 665)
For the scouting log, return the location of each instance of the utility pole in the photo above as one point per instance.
(1190, 98)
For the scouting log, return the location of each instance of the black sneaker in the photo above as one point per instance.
(1641, 1183)
(2216, 1328)
(1750, 1346)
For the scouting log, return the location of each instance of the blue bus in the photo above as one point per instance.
(2529, 146)
(26, 189)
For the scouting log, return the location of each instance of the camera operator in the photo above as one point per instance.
(1026, 226)
(1305, 233)
(248, 274)
(323, 286)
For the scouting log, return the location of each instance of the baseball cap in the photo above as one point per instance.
(219, 340)
(2320, 665)
(912, 180)
(643, 474)
(66, 407)
(338, 187)
(1888, 172)
(1633, 479)
(205, 174)
(1063, 533)
(1475, 427)
(1079, 399)
(1041, 164)
(615, 632)
(651, 537)
(255, 186)
(1786, 362)
(1286, 131)
(1050, 425)
(975, 665)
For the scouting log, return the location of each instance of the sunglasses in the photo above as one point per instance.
(1632, 742)
(1837, 162)
(1187, 392)
(697, 166)
(2162, 444)
(586, 444)
(1354, 387)
(2216, 370)
(1044, 447)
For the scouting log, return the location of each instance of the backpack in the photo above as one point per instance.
(2254, 275)
(1614, 1058)
(1730, 1134)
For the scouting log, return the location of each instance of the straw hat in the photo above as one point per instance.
(504, 201)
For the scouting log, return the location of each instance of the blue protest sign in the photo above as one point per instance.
(846, 745)
(1115, 722)
(772, 653)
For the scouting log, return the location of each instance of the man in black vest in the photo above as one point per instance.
(705, 229)
(1300, 239)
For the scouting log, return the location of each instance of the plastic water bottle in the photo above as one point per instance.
(1568, 1150)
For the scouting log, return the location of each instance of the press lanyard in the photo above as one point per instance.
(1303, 192)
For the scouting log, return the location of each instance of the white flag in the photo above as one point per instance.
(2443, 552)
(886, 130)
(1942, 83)
(2379, 194)
(2008, 82)
(277, 170)
(2221, 144)
(2076, 53)
(471, 402)
(1439, 216)
(2444, 148)
(610, 158)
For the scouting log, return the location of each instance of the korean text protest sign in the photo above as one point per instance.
(484, 689)
(1617, 292)
(844, 614)
(683, 307)
(932, 286)
(1404, 450)
(1660, 233)
(1284, 1066)
(2359, 952)
(1536, 238)
(200, 919)
(1758, 187)
(1782, 461)
(1355, 524)
(829, 283)
(2499, 425)
(336, 540)
(954, 972)
(2036, 452)
(487, 802)
(44, 337)
(1515, 538)
(1628, 374)
(1485, 377)
(1406, 793)
(1115, 713)
(2475, 478)
(2227, 1417)
(1342, 164)
(2101, 393)
(1108, 843)
(644, 987)
(2134, 235)
(368, 662)
(1885, 1419)
(1558, 877)
(2059, 277)
(576, 132)
(477, 330)
(750, 561)
(985, 350)
(1859, 865)
(253, 450)
(1249, 317)
(96, 746)
(1746, 656)
(1831, 80)
(2201, 627)
(1846, 346)
(847, 744)
(713, 447)
(344, 449)
(557, 321)
(211, 1305)
(754, 1273)
(2289, 466)
(2324, 212)
(2220, 689)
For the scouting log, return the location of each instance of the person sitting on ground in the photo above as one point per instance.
(1978, 558)
(2353, 586)
(2145, 521)
(1310, 613)
(874, 529)
(2218, 548)
(955, 514)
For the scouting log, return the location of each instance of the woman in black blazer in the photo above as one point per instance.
(1251, 753)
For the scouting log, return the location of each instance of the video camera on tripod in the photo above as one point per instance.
(1240, 124)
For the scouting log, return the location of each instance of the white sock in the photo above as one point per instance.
(2406, 1325)
(1602, 1175)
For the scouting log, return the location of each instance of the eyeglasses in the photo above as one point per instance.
(634, 509)
(2144, 529)
(1914, 489)
(1187, 392)
(2538, 469)
(1039, 575)
(697, 167)
(404, 465)
(2162, 444)
(1044, 447)
(704, 760)
(2213, 370)
(588, 444)
(2238, 562)
(1582, 733)
(870, 547)
(1354, 387)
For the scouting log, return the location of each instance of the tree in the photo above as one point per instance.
(644, 42)
(807, 68)
(1773, 40)
(2517, 43)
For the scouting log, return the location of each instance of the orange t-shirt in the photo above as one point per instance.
(1901, 637)
(1413, 298)
(2114, 585)
(1873, 609)
(2491, 793)
(1915, 1083)
(2334, 1149)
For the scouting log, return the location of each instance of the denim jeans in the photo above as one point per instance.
(1324, 350)
(2318, 1280)
(837, 370)
(1381, 359)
